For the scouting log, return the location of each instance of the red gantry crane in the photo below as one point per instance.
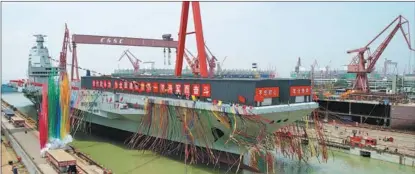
(134, 60)
(198, 65)
(115, 41)
(200, 41)
(358, 64)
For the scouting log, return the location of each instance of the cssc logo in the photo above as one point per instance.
(111, 40)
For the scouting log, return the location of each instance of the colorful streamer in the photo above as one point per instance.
(43, 120)
(65, 94)
(54, 125)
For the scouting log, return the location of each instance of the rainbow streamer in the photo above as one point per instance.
(65, 95)
(43, 120)
(54, 120)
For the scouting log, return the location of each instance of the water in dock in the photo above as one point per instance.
(119, 159)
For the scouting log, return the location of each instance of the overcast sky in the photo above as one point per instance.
(269, 33)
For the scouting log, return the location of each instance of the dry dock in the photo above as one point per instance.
(402, 142)
(25, 141)
(8, 154)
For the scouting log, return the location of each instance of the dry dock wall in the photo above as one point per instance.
(27, 161)
(393, 158)
(403, 117)
(378, 114)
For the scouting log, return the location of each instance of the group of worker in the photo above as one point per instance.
(13, 164)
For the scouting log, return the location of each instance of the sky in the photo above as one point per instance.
(272, 34)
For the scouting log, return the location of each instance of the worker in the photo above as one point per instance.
(14, 169)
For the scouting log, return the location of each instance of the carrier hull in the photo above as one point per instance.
(131, 119)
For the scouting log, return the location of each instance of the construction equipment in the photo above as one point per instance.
(359, 141)
(201, 63)
(134, 60)
(115, 41)
(167, 37)
(358, 64)
(211, 61)
(193, 62)
(63, 53)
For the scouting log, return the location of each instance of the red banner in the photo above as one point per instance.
(196, 90)
(148, 87)
(142, 86)
(155, 87)
(178, 88)
(186, 89)
(115, 84)
(125, 86)
(162, 88)
(300, 90)
(137, 87)
(169, 88)
(109, 84)
(268, 92)
(206, 90)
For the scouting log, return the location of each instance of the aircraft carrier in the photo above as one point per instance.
(212, 110)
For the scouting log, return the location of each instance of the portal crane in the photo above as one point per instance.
(134, 60)
(211, 61)
(193, 62)
(358, 64)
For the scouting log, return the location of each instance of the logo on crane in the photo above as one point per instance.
(111, 40)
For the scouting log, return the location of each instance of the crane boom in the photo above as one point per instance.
(358, 64)
(133, 60)
(64, 52)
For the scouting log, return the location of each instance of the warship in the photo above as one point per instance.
(122, 102)
(201, 113)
